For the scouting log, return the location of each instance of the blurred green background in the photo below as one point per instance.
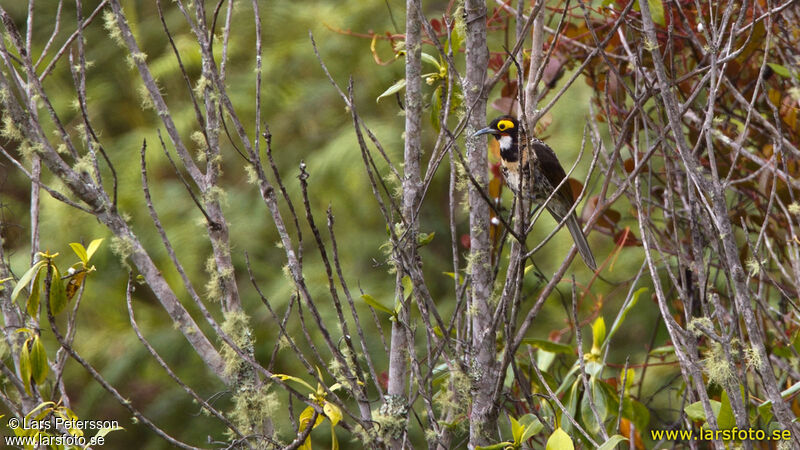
(309, 123)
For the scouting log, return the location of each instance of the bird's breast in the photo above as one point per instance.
(511, 174)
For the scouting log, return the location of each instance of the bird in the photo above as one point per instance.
(517, 160)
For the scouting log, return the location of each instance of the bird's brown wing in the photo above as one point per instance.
(551, 169)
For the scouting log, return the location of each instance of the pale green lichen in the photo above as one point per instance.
(10, 130)
(110, 24)
(794, 208)
(698, 324)
(215, 194)
(753, 358)
(237, 327)
(122, 247)
(83, 164)
(253, 408)
(214, 285)
(202, 87)
(753, 266)
(452, 398)
(716, 365)
(145, 99)
(252, 175)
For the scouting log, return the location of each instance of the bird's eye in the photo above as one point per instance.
(504, 125)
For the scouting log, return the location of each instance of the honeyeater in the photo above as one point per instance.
(533, 167)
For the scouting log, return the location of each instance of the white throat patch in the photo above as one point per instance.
(505, 142)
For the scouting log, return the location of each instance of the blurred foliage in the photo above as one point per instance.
(308, 123)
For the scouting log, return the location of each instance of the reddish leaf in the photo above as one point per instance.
(465, 241)
(576, 187)
(626, 238)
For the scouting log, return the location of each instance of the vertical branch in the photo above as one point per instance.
(412, 190)
(483, 414)
(537, 55)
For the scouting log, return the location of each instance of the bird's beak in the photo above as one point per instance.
(483, 131)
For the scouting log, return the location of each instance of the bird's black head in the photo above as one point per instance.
(501, 126)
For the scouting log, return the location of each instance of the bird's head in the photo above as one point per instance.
(499, 127)
(505, 130)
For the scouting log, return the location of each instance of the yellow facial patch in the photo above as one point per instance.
(504, 125)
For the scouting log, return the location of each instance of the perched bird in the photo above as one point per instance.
(517, 161)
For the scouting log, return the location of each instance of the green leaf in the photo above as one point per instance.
(571, 402)
(549, 346)
(622, 314)
(436, 107)
(424, 239)
(765, 411)
(532, 427)
(598, 334)
(79, 250)
(25, 367)
(408, 286)
(637, 413)
(370, 300)
(498, 446)
(663, 350)
(393, 89)
(657, 12)
(725, 419)
(58, 295)
(38, 358)
(457, 36)
(431, 60)
(696, 412)
(104, 431)
(93, 246)
(33, 300)
(26, 278)
(589, 419)
(612, 442)
(559, 440)
(780, 70)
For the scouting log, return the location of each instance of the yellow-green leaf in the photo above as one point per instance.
(516, 429)
(370, 300)
(780, 70)
(283, 377)
(58, 295)
(657, 12)
(33, 300)
(333, 412)
(25, 367)
(93, 246)
(305, 418)
(26, 278)
(612, 442)
(549, 346)
(38, 358)
(431, 60)
(629, 377)
(498, 446)
(598, 334)
(408, 286)
(393, 89)
(559, 440)
(79, 250)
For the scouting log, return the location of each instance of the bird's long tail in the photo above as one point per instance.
(575, 230)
